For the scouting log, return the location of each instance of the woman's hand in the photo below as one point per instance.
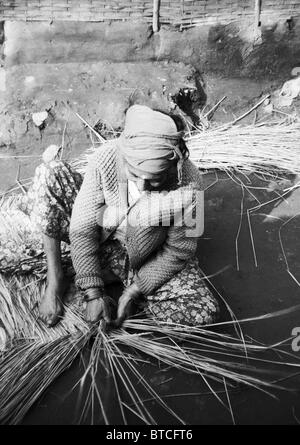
(130, 295)
(97, 306)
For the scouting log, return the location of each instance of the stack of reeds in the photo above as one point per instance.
(269, 148)
(264, 149)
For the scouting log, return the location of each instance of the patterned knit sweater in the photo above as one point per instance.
(156, 251)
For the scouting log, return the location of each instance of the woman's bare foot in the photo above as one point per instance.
(51, 307)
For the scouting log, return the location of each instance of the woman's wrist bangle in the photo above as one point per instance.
(88, 299)
(94, 294)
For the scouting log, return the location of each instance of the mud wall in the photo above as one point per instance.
(237, 48)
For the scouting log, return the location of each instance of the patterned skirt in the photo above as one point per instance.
(185, 299)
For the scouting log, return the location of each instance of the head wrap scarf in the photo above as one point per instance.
(150, 141)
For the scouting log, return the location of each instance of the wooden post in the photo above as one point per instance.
(258, 4)
(156, 6)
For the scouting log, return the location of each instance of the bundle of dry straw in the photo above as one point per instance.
(263, 149)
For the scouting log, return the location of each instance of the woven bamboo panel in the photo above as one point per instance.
(179, 12)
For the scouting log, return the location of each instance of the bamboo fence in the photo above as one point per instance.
(184, 13)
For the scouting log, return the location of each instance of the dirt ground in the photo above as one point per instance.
(250, 292)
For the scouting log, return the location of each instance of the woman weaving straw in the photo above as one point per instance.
(155, 261)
